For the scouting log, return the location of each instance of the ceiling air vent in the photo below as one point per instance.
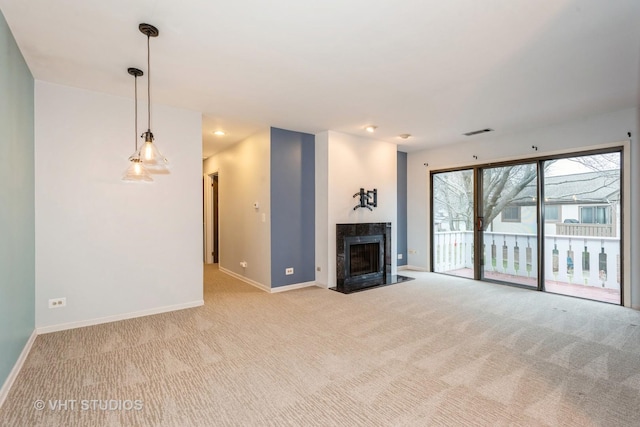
(476, 132)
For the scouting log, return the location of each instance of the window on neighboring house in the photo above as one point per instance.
(595, 214)
(511, 214)
(552, 213)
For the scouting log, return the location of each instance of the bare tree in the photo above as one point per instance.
(600, 162)
(502, 186)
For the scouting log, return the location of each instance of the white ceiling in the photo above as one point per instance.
(431, 68)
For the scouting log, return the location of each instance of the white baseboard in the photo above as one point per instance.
(414, 268)
(245, 279)
(99, 320)
(292, 287)
(265, 287)
(4, 391)
(403, 267)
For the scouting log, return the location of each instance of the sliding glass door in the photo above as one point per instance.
(509, 223)
(551, 224)
(582, 206)
(452, 222)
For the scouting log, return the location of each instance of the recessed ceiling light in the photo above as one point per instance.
(371, 128)
(405, 135)
(219, 133)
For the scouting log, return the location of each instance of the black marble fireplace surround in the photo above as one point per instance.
(363, 256)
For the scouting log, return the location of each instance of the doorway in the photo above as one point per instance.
(216, 247)
(211, 218)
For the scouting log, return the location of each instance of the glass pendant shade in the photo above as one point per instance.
(136, 172)
(151, 156)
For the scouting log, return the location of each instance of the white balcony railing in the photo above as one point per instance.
(584, 260)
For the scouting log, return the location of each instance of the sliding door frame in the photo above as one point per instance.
(539, 160)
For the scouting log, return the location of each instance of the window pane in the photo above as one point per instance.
(510, 233)
(586, 215)
(602, 215)
(583, 258)
(552, 213)
(453, 223)
(511, 214)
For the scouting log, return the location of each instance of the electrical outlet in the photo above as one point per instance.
(412, 252)
(318, 268)
(288, 271)
(399, 256)
(57, 302)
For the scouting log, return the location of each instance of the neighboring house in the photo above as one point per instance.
(584, 204)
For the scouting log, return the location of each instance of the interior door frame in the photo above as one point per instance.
(209, 207)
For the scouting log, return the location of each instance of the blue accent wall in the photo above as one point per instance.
(17, 209)
(402, 207)
(292, 207)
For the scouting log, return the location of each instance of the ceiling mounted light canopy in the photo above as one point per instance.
(149, 153)
(219, 133)
(405, 135)
(136, 172)
(370, 128)
(478, 132)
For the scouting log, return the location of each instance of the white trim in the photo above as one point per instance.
(8, 383)
(403, 267)
(246, 279)
(292, 287)
(626, 226)
(414, 268)
(100, 320)
(266, 288)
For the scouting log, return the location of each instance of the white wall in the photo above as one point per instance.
(243, 179)
(344, 164)
(112, 248)
(586, 133)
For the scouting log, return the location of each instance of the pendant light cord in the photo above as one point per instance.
(149, 83)
(135, 126)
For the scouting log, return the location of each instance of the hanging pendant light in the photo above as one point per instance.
(149, 153)
(136, 172)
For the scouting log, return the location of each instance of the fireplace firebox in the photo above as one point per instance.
(363, 253)
(364, 259)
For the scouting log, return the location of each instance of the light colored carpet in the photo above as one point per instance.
(434, 351)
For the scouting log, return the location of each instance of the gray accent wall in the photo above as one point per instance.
(17, 210)
(402, 207)
(292, 207)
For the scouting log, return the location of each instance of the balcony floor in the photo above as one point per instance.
(595, 293)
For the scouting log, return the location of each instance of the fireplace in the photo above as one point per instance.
(363, 255)
(363, 259)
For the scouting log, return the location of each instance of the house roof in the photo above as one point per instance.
(598, 187)
(433, 69)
